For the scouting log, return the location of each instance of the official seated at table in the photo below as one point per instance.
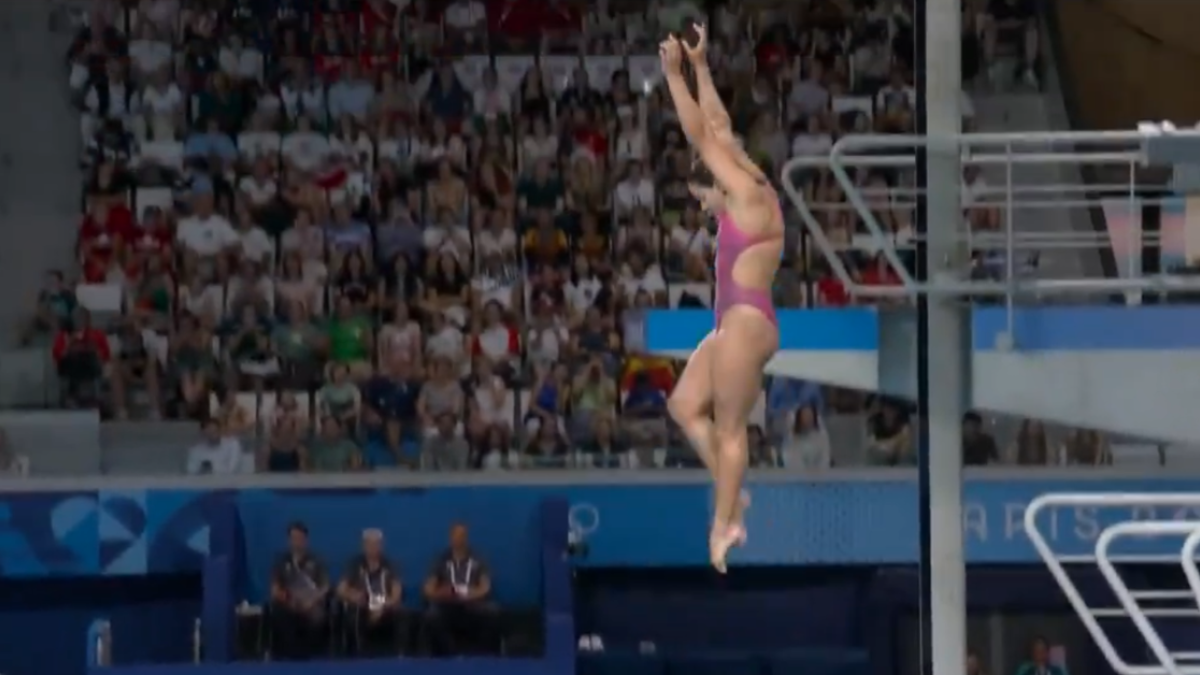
(461, 617)
(371, 588)
(297, 615)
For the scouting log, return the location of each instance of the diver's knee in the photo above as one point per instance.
(681, 408)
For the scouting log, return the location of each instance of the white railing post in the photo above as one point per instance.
(1169, 662)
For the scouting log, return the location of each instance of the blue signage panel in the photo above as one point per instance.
(831, 521)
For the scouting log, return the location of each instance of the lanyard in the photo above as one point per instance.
(466, 573)
(371, 591)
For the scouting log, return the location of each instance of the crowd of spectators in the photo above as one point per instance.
(363, 233)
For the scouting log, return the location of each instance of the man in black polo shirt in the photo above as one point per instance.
(461, 616)
(299, 588)
(371, 588)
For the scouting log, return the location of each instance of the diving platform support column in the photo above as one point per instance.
(941, 341)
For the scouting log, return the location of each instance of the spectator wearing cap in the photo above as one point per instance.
(371, 587)
(299, 592)
(460, 616)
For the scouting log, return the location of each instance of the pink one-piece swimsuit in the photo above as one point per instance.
(731, 243)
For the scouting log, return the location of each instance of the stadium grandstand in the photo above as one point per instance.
(327, 334)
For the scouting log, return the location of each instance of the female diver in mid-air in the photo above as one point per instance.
(724, 376)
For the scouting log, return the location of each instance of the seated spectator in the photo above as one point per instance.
(218, 452)
(339, 397)
(235, 420)
(548, 403)
(390, 400)
(250, 358)
(134, 364)
(55, 306)
(444, 448)
(889, 433)
(401, 337)
(461, 617)
(205, 233)
(644, 413)
(81, 356)
(300, 346)
(546, 448)
(547, 340)
(191, 364)
(491, 410)
(299, 593)
(445, 339)
(496, 237)
(978, 447)
(441, 394)
(1087, 447)
(284, 450)
(593, 398)
(805, 443)
(333, 450)
(355, 282)
(351, 339)
(493, 452)
(604, 450)
(497, 341)
(447, 289)
(371, 587)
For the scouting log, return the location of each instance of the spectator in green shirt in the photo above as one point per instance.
(351, 339)
(300, 345)
(332, 450)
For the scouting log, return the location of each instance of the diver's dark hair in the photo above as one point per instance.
(700, 173)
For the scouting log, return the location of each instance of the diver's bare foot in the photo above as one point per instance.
(740, 516)
(720, 541)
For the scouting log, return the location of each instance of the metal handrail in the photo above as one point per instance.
(952, 283)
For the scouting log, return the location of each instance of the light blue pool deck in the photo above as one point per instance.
(1034, 329)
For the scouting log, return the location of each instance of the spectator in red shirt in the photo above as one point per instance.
(80, 353)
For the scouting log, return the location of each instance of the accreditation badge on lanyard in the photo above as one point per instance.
(376, 597)
(461, 586)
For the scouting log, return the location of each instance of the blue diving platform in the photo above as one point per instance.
(1122, 369)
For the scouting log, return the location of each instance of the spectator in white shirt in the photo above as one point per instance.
(239, 62)
(465, 16)
(205, 233)
(256, 245)
(304, 148)
(538, 146)
(631, 139)
(636, 275)
(216, 453)
(260, 140)
(148, 53)
(635, 189)
(805, 445)
(162, 109)
(814, 140)
(259, 188)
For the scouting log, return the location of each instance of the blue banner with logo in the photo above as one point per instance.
(827, 521)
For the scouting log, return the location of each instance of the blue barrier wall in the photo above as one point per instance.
(831, 521)
(1038, 328)
(134, 556)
